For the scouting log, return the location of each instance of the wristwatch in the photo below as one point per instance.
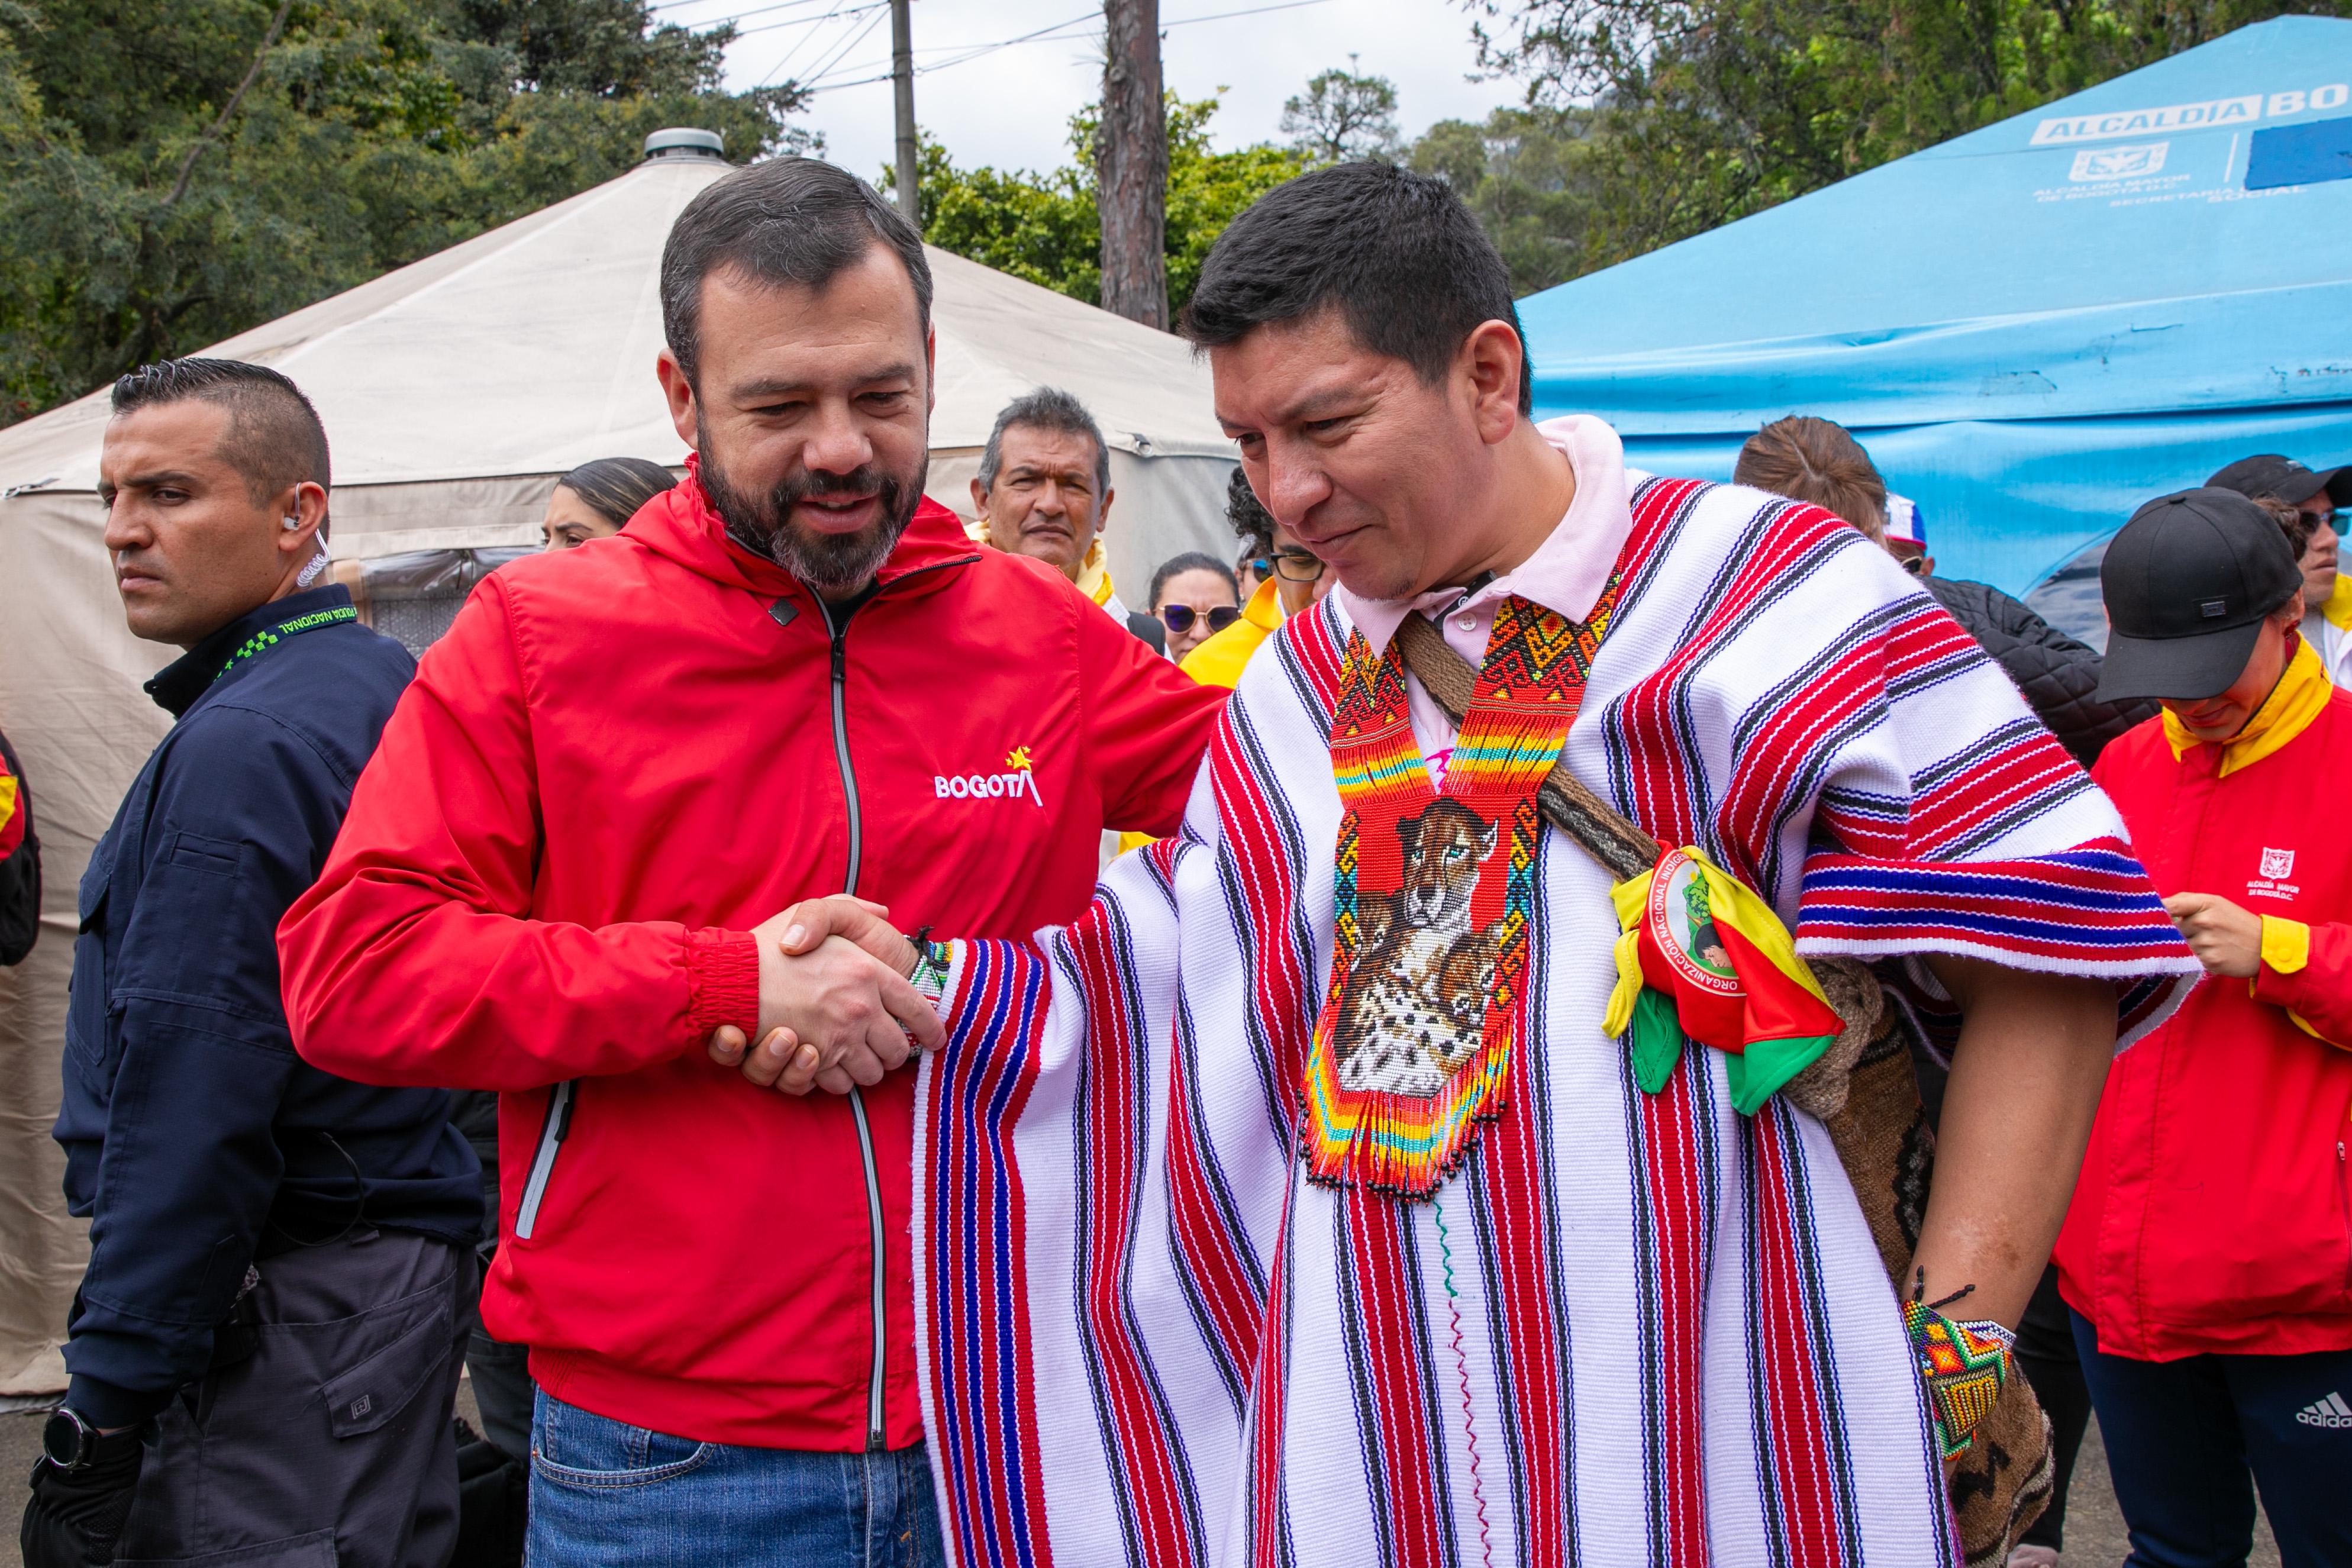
(69, 1441)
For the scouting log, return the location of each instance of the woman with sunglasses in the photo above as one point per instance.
(1193, 595)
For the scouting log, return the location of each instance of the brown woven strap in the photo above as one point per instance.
(1621, 846)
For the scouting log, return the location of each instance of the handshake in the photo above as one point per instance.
(836, 1008)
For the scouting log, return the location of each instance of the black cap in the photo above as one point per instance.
(2271, 475)
(2188, 583)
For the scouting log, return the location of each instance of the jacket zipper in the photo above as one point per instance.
(551, 1134)
(2344, 1191)
(560, 1101)
(839, 632)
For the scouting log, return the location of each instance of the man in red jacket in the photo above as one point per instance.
(2207, 1253)
(791, 675)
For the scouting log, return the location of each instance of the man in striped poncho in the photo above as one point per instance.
(1294, 1206)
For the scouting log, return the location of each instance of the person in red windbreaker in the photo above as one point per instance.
(790, 675)
(2207, 1253)
(20, 863)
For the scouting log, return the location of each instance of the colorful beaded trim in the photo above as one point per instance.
(933, 960)
(1965, 1365)
(1435, 894)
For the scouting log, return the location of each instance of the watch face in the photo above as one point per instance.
(62, 1439)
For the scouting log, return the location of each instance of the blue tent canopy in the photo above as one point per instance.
(2032, 328)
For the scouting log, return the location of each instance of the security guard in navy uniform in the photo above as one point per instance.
(265, 1345)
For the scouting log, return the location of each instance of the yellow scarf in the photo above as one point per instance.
(2298, 698)
(2339, 607)
(1094, 572)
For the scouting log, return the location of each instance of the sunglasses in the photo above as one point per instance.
(1179, 618)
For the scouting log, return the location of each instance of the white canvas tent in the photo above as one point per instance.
(454, 391)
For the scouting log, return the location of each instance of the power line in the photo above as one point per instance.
(1253, 11)
(711, 23)
(811, 21)
(794, 53)
(708, 23)
(817, 72)
(973, 52)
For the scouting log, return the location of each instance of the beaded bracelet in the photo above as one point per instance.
(932, 960)
(1965, 1365)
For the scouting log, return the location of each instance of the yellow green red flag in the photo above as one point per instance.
(1702, 957)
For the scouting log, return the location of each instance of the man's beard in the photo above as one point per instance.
(831, 563)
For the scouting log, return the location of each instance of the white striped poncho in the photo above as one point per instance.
(1630, 1328)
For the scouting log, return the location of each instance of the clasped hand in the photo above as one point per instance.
(835, 1008)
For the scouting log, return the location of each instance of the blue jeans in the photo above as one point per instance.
(2182, 1436)
(617, 1496)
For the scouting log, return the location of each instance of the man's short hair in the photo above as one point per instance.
(1405, 264)
(786, 223)
(1816, 461)
(1047, 408)
(2297, 525)
(1247, 514)
(274, 439)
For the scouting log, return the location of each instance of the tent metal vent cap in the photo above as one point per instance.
(682, 141)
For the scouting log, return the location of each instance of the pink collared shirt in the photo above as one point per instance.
(1566, 574)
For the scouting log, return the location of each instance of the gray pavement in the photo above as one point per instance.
(2095, 1530)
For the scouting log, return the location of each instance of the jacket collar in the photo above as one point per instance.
(178, 684)
(1264, 610)
(2338, 609)
(681, 525)
(2298, 698)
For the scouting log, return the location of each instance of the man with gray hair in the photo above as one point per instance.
(1043, 491)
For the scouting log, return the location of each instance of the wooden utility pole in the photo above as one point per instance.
(1132, 197)
(902, 90)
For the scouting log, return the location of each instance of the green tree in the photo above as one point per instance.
(1042, 227)
(1343, 116)
(1046, 226)
(1529, 174)
(170, 176)
(1710, 110)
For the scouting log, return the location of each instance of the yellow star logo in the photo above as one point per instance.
(1018, 759)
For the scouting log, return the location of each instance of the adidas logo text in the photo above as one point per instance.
(2330, 1411)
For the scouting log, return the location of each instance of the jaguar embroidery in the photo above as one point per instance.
(1432, 894)
(1415, 1006)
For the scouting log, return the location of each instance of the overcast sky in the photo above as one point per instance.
(1010, 108)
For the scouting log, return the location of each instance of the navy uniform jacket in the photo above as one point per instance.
(195, 1139)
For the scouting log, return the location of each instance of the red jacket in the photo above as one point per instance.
(2212, 1210)
(619, 759)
